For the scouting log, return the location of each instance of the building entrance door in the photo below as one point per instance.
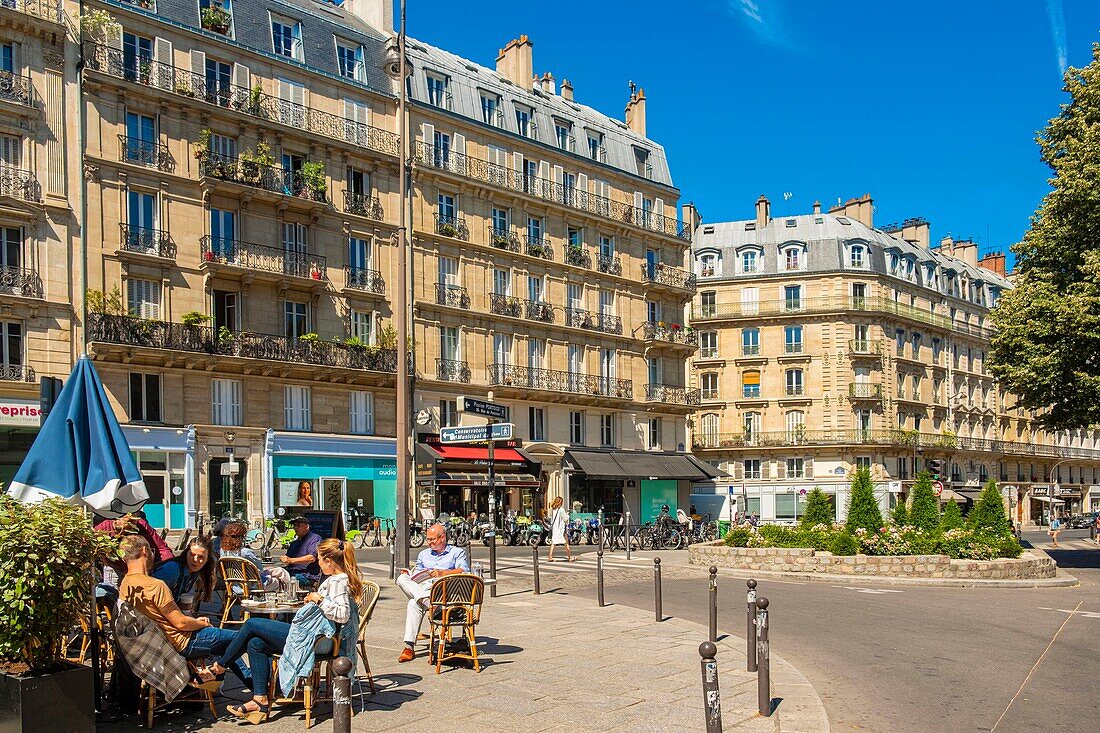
(228, 494)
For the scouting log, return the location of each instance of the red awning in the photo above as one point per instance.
(475, 453)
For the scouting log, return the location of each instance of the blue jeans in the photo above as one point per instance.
(212, 641)
(262, 638)
(305, 580)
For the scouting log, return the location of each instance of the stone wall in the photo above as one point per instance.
(803, 560)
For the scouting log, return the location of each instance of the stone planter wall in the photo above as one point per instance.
(801, 560)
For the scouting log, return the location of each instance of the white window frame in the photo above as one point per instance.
(298, 407)
(145, 377)
(225, 402)
(361, 412)
(576, 427)
(143, 298)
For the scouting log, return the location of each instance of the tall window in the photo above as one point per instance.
(448, 413)
(707, 265)
(523, 121)
(709, 384)
(295, 319)
(794, 382)
(446, 204)
(441, 149)
(350, 60)
(708, 304)
(11, 343)
(143, 298)
(857, 256)
(793, 339)
(361, 325)
(607, 246)
(361, 412)
(607, 430)
(576, 428)
(536, 416)
(563, 131)
(437, 92)
(144, 397)
(502, 348)
(796, 468)
(502, 281)
(710, 425)
(859, 295)
(225, 401)
(286, 37)
(708, 344)
(448, 344)
(360, 256)
(490, 109)
(595, 145)
(752, 468)
(792, 258)
(748, 261)
(750, 341)
(654, 433)
(137, 57)
(750, 424)
(750, 383)
(792, 297)
(796, 426)
(297, 408)
(500, 221)
(141, 139)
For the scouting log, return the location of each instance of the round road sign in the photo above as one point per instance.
(937, 487)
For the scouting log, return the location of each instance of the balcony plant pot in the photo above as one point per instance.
(447, 230)
(208, 256)
(48, 703)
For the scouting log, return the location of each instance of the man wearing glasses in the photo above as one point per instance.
(437, 560)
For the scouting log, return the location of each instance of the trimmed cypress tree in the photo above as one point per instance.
(924, 508)
(819, 510)
(863, 510)
(900, 515)
(988, 515)
(952, 517)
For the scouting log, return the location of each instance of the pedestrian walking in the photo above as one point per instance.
(559, 518)
(1096, 528)
(1055, 528)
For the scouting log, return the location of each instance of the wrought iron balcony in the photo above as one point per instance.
(604, 322)
(21, 281)
(16, 88)
(428, 154)
(507, 375)
(672, 333)
(359, 278)
(45, 9)
(16, 373)
(609, 264)
(671, 394)
(577, 256)
(144, 152)
(864, 347)
(863, 391)
(795, 390)
(503, 239)
(447, 370)
(452, 295)
(452, 226)
(708, 352)
(249, 101)
(19, 183)
(505, 305)
(792, 348)
(363, 205)
(252, 256)
(267, 177)
(673, 277)
(538, 310)
(130, 331)
(141, 240)
(539, 247)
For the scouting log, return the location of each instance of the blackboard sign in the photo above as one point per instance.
(325, 523)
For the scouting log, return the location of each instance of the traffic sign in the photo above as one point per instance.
(482, 407)
(476, 433)
(937, 487)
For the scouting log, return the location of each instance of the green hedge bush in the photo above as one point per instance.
(843, 543)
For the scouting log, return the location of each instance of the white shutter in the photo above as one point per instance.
(517, 163)
(637, 218)
(198, 65)
(458, 160)
(544, 176)
(241, 77)
(357, 115)
(427, 134)
(162, 54)
(581, 193)
(738, 472)
(659, 220)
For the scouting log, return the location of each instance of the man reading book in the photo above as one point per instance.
(437, 560)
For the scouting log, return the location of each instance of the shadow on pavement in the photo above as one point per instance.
(491, 645)
(393, 691)
(1074, 558)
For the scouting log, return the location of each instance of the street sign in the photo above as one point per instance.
(937, 487)
(482, 407)
(476, 433)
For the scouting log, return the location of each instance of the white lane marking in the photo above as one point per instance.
(875, 591)
(1082, 614)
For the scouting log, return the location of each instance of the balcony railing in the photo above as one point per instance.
(451, 226)
(860, 347)
(267, 177)
(578, 256)
(21, 281)
(537, 310)
(16, 88)
(452, 295)
(19, 183)
(672, 333)
(795, 390)
(708, 352)
(673, 277)
(141, 240)
(609, 264)
(505, 305)
(363, 205)
(711, 395)
(144, 152)
(252, 256)
(750, 349)
(605, 322)
(503, 177)
(539, 247)
(671, 394)
(360, 278)
(447, 370)
(129, 331)
(792, 348)
(253, 102)
(503, 239)
(860, 391)
(507, 375)
(16, 373)
(45, 9)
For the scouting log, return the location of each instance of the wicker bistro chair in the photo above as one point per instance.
(241, 580)
(366, 609)
(455, 602)
(325, 651)
(150, 704)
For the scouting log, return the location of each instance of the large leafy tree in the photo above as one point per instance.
(1047, 346)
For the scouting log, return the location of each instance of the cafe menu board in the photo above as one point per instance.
(325, 523)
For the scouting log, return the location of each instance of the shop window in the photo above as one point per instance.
(297, 492)
(145, 397)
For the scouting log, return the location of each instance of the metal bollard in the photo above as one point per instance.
(628, 535)
(711, 702)
(658, 609)
(341, 696)
(599, 575)
(750, 628)
(535, 568)
(763, 675)
(713, 604)
(393, 561)
(493, 563)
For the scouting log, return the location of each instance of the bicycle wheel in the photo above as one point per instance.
(416, 539)
(671, 540)
(358, 538)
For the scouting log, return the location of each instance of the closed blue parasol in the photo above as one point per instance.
(80, 454)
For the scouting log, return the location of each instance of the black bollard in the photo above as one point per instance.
(711, 702)
(658, 611)
(599, 574)
(750, 628)
(393, 561)
(713, 604)
(535, 568)
(763, 675)
(493, 563)
(341, 696)
(628, 535)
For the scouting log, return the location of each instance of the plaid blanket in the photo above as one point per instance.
(149, 653)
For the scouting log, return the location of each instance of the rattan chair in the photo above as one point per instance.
(241, 580)
(366, 609)
(325, 651)
(150, 705)
(455, 602)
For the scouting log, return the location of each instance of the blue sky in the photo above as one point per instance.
(930, 107)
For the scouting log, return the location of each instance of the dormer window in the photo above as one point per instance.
(439, 94)
(793, 257)
(595, 146)
(490, 109)
(708, 265)
(349, 58)
(286, 37)
(857, 256)
(563, 133)
(641, 159)
(749, 261)
(525, 124)
(895, 263)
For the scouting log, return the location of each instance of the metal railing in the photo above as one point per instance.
(19, 183)
(145, 241)
(360, 278)
(44, 9)
(671, 394)
(447, 370)
(452, 295)
(363, 204)
(252, 256)
(609, 264)
(130, 331)
(860, 347)
(505, 305)
(503, 177)
(578, 256)
(16, 373)
(795, 391)
(551, 380)
(708, 352)
(144, 152)
(20, 281)
(537, 310)
(792, 348)
(605, 322)
(250, 101)
(753, 350)
(258, 175)
(673, 333)
(538, 247)
(451, 226)
(860, 391)
(16, 88)
(503, 239)
(673, 277)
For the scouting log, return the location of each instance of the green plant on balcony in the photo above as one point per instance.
(99, 26)
(145, 70)
(225, 337)
(310, 338)
(216, 19)
(537, 249)
(948, 439)
(313, 176)
(906, 436)
(255, 162)
(448, 230)
(194, 318)
(500, 239)
(184, 90)
(106, 304)
(355, 342)
(253, 104)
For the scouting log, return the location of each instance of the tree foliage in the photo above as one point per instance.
(988, 514)
(819, 510)
(1047, 346)
(924, 507)
(899, 517)
(952, 517)
(863, 510)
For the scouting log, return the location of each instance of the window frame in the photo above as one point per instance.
(142, 414)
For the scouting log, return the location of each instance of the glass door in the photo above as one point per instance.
(142, 222)
(294, 249)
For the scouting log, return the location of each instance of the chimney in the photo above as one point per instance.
(860, 209)
(916, 231)
(763, 212)
(548, 85)
(635, 111)
(566, 90)
(378, 14)
(817, 207)
(691, 217)
(994, 262)
(963, 249)
(514, 63)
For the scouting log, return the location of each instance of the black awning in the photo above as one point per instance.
(638, 464)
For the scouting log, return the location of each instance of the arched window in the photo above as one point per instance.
(857, 256)
(750, 383)
(794, 383)
(748, 260)
(792, 257)
(709, 426)
(708, 265)
(709, 384)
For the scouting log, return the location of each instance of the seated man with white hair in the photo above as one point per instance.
(434, 562)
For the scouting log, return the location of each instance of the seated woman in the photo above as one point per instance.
(233, 546)
(191, 571)
(262, 638)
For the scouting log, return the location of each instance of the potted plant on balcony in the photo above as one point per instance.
(99, 26)
(313, 177)
(500, 239)
(226, 338)
(255, 162)
(47, 551)
(216, 19)
(194, 318)
(314, 272)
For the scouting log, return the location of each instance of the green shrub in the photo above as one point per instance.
(952, 517)
(988, 515)
(780, 536)
(899, 517)
(863, 510)
(738, 537)
(924, 507)
(843, 543)
(819, 510)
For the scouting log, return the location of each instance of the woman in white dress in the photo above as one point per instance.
(558, 520)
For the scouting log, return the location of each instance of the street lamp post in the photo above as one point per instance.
(1051, 483)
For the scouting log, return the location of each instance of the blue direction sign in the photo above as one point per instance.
(476, 433)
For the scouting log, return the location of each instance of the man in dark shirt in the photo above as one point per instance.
(301, 557)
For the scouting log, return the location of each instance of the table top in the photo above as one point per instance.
(271, 607)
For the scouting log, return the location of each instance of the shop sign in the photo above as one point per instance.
(20, 413)
(1040, 491)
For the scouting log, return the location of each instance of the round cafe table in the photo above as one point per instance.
(271, 609)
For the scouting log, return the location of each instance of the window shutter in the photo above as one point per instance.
(659, 210)
(427, 134)
(637, 207)
(781, 468)
(459, 159)
(299, 94)
(738, 472)
(241, 77)
(198, 67)
(544, 176)
(581, 193)
(808, 464)
(765, 469)
(217, 400)
(162, 54)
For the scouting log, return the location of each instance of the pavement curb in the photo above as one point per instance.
(1061, 580)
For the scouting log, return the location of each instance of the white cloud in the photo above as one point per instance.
(1058, 32)
(763, 19)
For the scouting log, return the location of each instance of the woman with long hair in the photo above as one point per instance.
(262, 638)
(191, 571)
(305, 494)
(233, 546)
(559, 518)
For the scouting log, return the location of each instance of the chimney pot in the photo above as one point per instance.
(566, 90)
(635, 111)
(763, 212)
(817, 207)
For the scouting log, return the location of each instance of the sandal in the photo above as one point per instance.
(204, 679)
(255, 717)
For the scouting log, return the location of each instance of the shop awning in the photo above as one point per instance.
(971, 494)
(639, 464)
(459, 478)
(1047, 500)
(471, 453)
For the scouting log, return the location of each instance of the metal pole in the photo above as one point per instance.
(750, 628)
(492, 544)
(393, 561)
(713, 604)
(658, 611)
(535, 568)
(628, 535)
(711, 702)
(400, 312)
(341, 696)
(599, 570)
(763, 677)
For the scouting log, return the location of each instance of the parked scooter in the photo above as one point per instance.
(535, 533)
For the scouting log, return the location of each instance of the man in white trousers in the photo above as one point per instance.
(438, 560)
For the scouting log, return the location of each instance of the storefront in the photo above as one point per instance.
(1092, 498)
(332, 472)
(166, 459)
(19, 422)
(454, 479)
(1043, 504)
(786, 503)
